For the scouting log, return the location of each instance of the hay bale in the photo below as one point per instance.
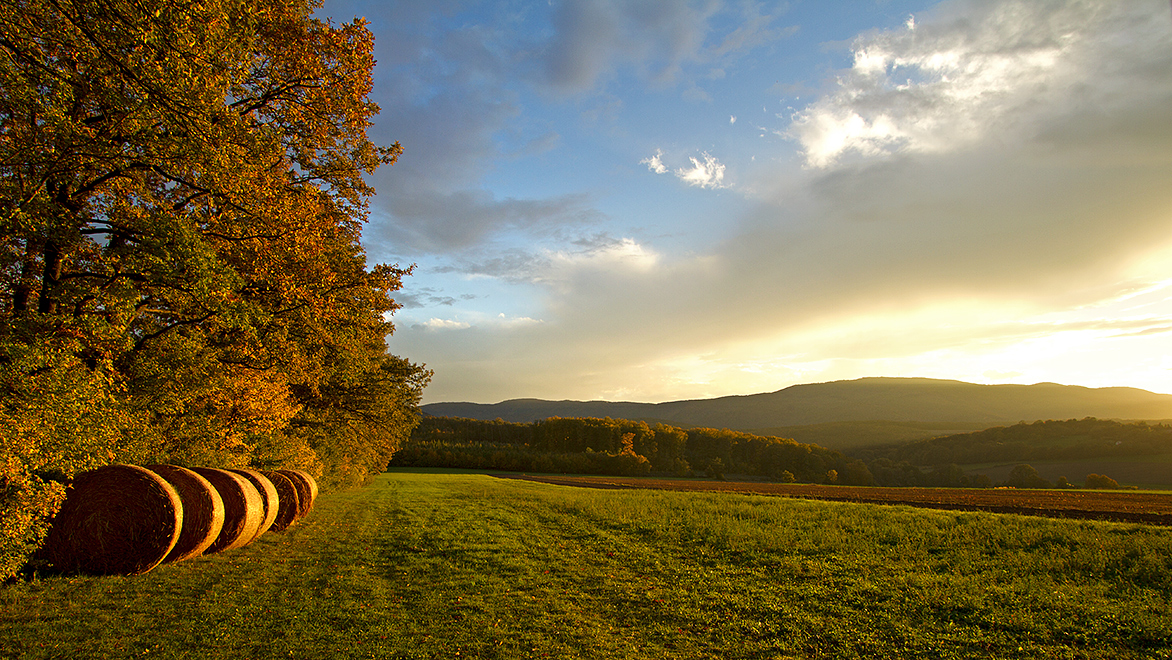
(243, 509)
(268, 496)
(306, 478)
(312, 486)
(116, 520)
(304, 490)
(288, 505)
(203, 511)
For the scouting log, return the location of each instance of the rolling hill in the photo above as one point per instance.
(952, 404)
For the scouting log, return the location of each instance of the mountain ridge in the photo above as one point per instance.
(863, 399)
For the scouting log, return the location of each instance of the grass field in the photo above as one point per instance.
(448, 565)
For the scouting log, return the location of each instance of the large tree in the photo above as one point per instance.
(181, 278)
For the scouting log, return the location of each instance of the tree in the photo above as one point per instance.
(181, 201)
(715, 469)
(1100, 481)
(1025, 476)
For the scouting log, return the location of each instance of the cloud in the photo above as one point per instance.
(655, 163)
(988, 177)
(453, 83)
(435, 324)
(593, 37)
(582, 258)
(594, 40)
(515, 321)
(432, 221)
(969, 70)
(479, 326)
(426, 297)
(991, 217)
(707, 174)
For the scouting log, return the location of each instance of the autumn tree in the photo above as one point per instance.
(181, 278)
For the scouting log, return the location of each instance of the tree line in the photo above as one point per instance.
(1070, 439)
(182, 195)
(606, 446)
(620, 447)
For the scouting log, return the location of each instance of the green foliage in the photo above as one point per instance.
(56, 418)
(181, 280)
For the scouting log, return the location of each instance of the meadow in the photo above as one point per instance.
(445, 564)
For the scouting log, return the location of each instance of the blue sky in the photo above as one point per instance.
(657, 200)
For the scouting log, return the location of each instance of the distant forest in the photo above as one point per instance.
(1070, 439)
(583, 445)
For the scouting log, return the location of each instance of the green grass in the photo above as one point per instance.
(454, 565)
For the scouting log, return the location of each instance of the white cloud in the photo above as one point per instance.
(1011, 218)
(655, 163)
(444, 324)
(623, 254)
(968, 72)
(503, 321)
(707, 174)
(732, 119)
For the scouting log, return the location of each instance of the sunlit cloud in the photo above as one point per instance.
(980, 193)
(941, 86)
(655, 163)
(626, 253)
(444, 324)
(503, 321)
(706, 174)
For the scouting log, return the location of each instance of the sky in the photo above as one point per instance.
(656, 200)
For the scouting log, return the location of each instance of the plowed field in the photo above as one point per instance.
(1141, 507)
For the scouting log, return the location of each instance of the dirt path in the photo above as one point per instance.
(1141, 507)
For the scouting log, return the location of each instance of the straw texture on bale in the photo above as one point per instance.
(304, 490)
(116, 520)
(312, 485)
(287, 504)
(268, 496)
(203, 511)
(243, 509)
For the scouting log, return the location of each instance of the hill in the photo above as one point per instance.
(956, 405)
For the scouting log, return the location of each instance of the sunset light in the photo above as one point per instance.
(702, 200)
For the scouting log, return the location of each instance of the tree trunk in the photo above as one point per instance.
(23, 291)
(50, 278)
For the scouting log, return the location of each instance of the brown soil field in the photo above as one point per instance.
(1138, 507)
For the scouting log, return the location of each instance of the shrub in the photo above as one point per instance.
(1101, 481)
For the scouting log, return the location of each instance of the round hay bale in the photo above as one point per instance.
(313, 485)
(287, 505)
(304, 491)
(268, 496)
(116, 520)
(203, 511)
(243, 509)
(308, 479)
